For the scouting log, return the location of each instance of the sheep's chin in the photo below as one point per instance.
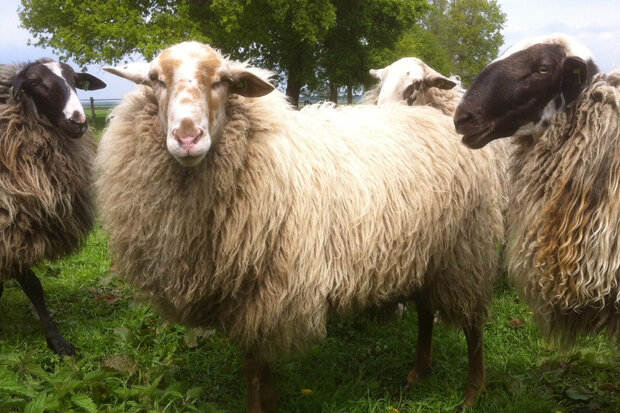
(189, 161)
(190, 155)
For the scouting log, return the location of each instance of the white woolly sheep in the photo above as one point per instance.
(284, 216)
(563, 214)
(412, 82)
(46, 194)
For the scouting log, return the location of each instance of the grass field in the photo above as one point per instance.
(131, 361)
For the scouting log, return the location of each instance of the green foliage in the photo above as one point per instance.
(364, 30)
(92, 31)
(469, 31)
(421, 43)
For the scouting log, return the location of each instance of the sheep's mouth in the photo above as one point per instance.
(74, 130)
(478, 139)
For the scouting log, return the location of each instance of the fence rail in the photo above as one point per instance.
(99, 103)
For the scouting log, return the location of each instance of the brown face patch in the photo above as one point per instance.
(208, 73)
(168, 64)
(187, 128)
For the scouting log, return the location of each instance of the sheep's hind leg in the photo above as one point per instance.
(34, 290)
(424, 351)
(261, 388)
(475, 374)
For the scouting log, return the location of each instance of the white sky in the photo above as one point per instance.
(596, 23)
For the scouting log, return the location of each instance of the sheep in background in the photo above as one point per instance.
(46, 194)
(412, 82)
(563, 213)
(229, 209)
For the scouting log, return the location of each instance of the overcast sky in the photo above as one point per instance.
(596, 23)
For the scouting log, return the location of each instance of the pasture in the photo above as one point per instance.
(131, 361)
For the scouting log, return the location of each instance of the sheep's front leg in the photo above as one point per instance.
(475, 373)
(261, 388)
(424, 351)
(34, 290)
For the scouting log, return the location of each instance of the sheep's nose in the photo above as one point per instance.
(461, 117)
(77, 117)
(187, 137)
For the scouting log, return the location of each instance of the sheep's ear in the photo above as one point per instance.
(247, 84)
(136, 72)
(439, 81)
(18, 82)
(376, 73)
(87, 81)
(574, 78)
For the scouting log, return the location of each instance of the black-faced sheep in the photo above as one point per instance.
(284, 216)
(563, 213)
(46, 195)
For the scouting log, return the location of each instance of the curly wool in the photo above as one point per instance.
(47, 202)
(564, 218)
(295, 214)
(446, 101)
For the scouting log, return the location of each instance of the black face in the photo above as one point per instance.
(54, 96)
(515, 91)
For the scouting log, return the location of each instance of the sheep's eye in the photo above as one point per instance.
(36, 83)
(223, 82)
(543, 69)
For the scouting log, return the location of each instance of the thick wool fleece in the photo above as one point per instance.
(294, 214)
(564, 217)
(47, 198)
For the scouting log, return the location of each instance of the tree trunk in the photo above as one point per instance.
(333, 92)
(349, 94)
(295, 78)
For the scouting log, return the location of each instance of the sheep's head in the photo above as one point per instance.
(406, 80)
(192, 82)
(48, 88)
(518, 93)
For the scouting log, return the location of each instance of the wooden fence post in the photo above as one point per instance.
(92, 107)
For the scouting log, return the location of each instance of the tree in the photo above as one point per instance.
(470, 32)
(281, 34)
(93, 31)
(291, 37)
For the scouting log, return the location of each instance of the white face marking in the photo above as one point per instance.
(396, 77)
(572, 47)
(73, 103)
(189, 133)
(537, 129)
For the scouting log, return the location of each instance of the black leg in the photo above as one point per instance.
(424, 351)
(34, 290)
(1, 288)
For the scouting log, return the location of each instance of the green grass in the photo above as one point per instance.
(131, 361)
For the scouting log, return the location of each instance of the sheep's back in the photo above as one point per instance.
(293, 213)
(564, 218)
(46, 195)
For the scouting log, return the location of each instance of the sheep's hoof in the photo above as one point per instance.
(61, 346)
(416, 376)
(473, 394)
